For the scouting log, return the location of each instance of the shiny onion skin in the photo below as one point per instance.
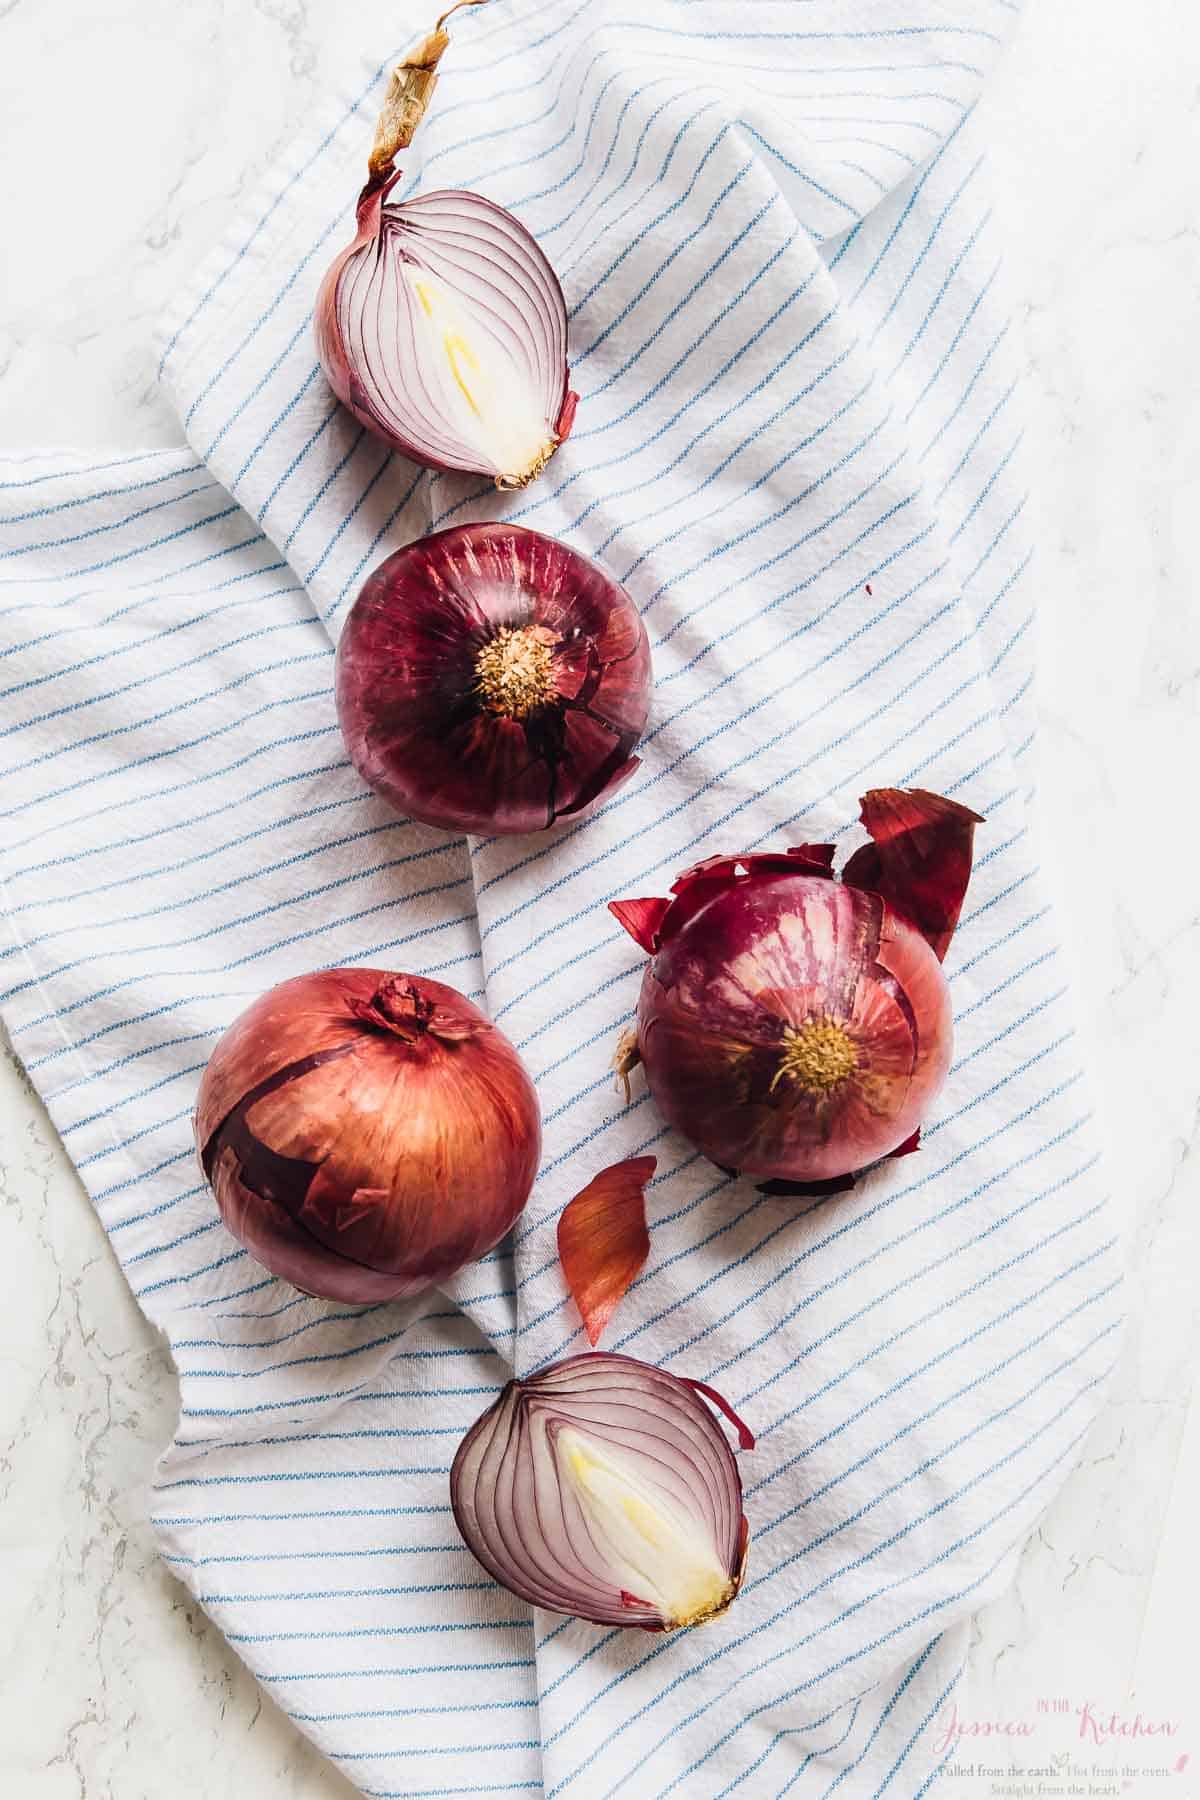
(492, 680)
(366, 1134)
(603, 1240)
(604, 1488)
(794, 1026)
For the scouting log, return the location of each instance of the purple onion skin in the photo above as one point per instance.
(366, 1134)
(536, 1544)
(764, 955)
(407, 681)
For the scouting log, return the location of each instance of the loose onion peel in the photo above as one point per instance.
(603, 1240)
(441, 325)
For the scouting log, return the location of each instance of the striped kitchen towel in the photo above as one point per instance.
(797, 446)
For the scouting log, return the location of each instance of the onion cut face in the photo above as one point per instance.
(603, 1488)
(366, 1134)
(491, 679)
(443, 328)
(794, 1026)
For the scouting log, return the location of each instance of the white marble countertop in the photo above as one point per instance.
(127, 130)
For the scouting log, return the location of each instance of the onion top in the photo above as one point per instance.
(491, 679)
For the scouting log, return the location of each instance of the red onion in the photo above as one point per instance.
(442, 326)
(603, 1488)
(489, 679)
(795, 1026)
(366, 1134)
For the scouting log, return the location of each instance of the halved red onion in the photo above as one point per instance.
(798, 1027)
(604, 1488)
(490, 679)
(366, 1134)
(442, 326)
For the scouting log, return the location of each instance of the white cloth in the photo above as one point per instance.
(795, 446)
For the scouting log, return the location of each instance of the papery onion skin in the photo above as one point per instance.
(429, 632)
(919, 858)
(399, 377)
(603, 1240)
(521, 1516)
(791, 1026)
(366, 1134)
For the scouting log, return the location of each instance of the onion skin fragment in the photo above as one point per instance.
(919, 858)
(490, 679)
(603, 1240)
(794, 1026)
(598, 1478)
(397, 402)
(366, 1134)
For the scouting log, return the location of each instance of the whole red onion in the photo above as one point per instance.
(366, 1134)
(795, 1026)
(490, 679)
(442, 326)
